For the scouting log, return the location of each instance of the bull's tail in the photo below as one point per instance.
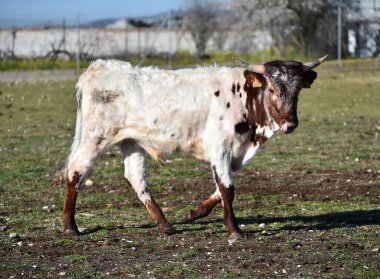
(78, 126)
(59, 178)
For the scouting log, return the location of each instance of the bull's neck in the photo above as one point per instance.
(258, 118)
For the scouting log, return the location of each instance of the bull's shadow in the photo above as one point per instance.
(326, 221)
(318, 222)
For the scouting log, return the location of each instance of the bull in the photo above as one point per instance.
(221, 115)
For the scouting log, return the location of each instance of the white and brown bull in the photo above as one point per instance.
(221, 115)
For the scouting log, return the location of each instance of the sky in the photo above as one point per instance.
(23, 12)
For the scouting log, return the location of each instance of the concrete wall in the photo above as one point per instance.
(107, 42)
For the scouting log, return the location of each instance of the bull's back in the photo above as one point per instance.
(156, 107)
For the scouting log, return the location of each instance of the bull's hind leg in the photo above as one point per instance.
(205, 208)
(135, 173)
(80, 162)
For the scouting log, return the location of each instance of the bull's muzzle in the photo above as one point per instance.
(288, 127)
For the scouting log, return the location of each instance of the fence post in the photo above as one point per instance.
(78, 44)
(263, 36)
(339, 50)
(170, 39)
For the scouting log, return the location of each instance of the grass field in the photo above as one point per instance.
(309, 203)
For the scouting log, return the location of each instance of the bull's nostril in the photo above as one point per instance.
(288, 127)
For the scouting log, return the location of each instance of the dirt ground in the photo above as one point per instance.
(276, 243)
(309, 204)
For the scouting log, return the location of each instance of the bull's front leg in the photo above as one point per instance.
(224, 180)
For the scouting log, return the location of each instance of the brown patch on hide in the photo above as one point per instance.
(157, 215)
(258, 138)
(233, 89)
(68, 215)
(105, 96)
(238, 87)
(196, 146)
(228, 105)
(154, 153)
(217, 93)
(241, 128)
(255, 106)
(115, 131)
(203, 210)
(100, 140)
(256, 111)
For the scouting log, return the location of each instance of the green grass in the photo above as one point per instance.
(183, 58)
(316, 191)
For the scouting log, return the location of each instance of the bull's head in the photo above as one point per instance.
(280, 83)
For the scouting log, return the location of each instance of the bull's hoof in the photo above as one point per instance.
(168, 229)
(233, 237)
(71, 232)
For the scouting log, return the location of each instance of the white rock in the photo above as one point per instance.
(13, 235)
(19, 243)
(45, 208)
(262, 225)
(83, 230)
(89, 183)
(232, 241)
(375, 250)
(62, 273)
(284, 271)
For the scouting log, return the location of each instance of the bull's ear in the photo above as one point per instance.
(308, 78)
(254, 79)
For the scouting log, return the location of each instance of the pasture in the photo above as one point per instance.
(309, 203)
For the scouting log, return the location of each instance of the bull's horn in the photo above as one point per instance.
(312, 65)
(259, 69)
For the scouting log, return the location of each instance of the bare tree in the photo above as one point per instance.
(315, 25)
(261, 24)
(308, 25)
(12, 50)
(201, 21)
(223, 27)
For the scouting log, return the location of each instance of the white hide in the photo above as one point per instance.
(161, 111)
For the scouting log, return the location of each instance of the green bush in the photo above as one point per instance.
(38, 64)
